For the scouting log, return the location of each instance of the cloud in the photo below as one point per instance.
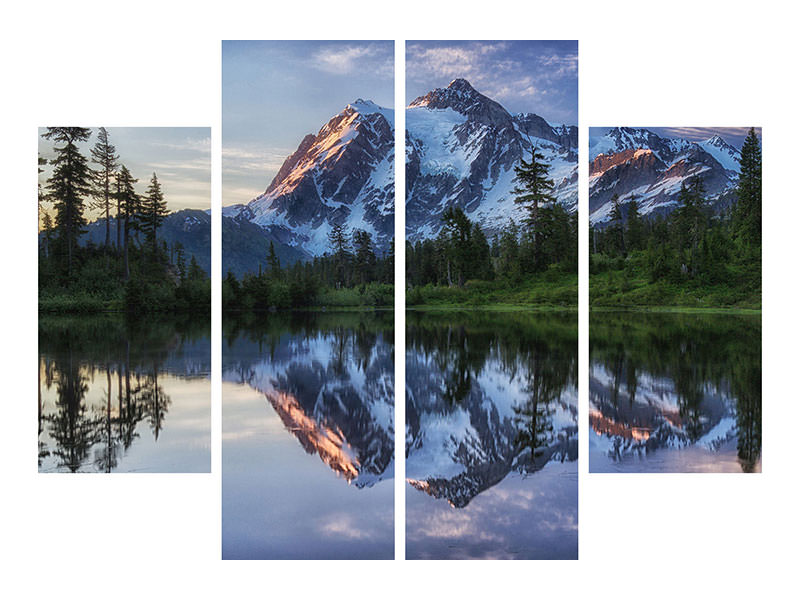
(246, 161)
(523, 76)
(190, 144)
(349, 59)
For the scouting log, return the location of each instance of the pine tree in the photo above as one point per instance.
(153, 212)
(617, 227)
(533, 191)
(456, 237)
(274, 262)
(130, 207)
(364, 259)
(105, 155)
(340, 250)
(69, 184)
(47, 228)
(180, 261)
(747, 214)
(635, 229)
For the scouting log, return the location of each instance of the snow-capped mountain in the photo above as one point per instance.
(461, 149)
(638, 164)
(342, 175)
(648, 416)
(466, 432)
(332, 392)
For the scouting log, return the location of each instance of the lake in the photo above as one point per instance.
(491, 435)
(122, 395)
(673, 392)
(308, 436)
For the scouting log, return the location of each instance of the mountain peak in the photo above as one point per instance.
(461, 97)
(717, 141)
(368, 107)
(461, 85)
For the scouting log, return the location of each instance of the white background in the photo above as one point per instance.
(158, 64)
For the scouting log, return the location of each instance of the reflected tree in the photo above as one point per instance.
(71, 427)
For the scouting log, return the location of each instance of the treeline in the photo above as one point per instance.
(462, 256)
(132, 269)
(693, 256)
(351, 273)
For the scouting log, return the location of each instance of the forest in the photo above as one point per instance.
(533, 262)
(351, 273)
(694, 257)
(132, 270)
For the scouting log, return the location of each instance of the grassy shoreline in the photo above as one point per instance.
(733, 310)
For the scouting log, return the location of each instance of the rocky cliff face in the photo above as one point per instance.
(461, 148)
(343, 175)
(636, 164)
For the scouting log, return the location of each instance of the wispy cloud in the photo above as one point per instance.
(199, 145)
(241, 160)
(348, 59)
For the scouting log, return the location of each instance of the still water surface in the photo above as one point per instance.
(308, 436)
(124, 396)
(491, 435)
(675, 392)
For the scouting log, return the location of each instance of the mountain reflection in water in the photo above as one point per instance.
(491, 403)
(675, 392)
(328, 382)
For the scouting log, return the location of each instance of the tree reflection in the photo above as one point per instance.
(71, 427)
(708, 365)
(474, 363)
(120, 364)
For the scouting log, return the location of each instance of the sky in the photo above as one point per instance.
(179, 156)
(733, 135)
(524, 76)
(274, 93)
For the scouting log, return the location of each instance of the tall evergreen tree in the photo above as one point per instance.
(104, 154)
(364, 256)
(747, 214)
(130, 207)
(340, 250)
(456, 237)
(635, 228)
(153, 212)
(534, 189)
(617, 225)
(69, 184)
(273, 261)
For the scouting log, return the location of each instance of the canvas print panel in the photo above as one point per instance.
(675, 293)
(124, 299)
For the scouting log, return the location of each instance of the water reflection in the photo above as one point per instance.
(491, 435)
(675, 392)
(109, 388)
(307, 474)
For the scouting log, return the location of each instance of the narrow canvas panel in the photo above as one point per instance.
(308, 326)
(491, 320)
(675, 295)
(124, 299)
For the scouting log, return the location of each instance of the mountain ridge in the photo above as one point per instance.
(638, 164)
